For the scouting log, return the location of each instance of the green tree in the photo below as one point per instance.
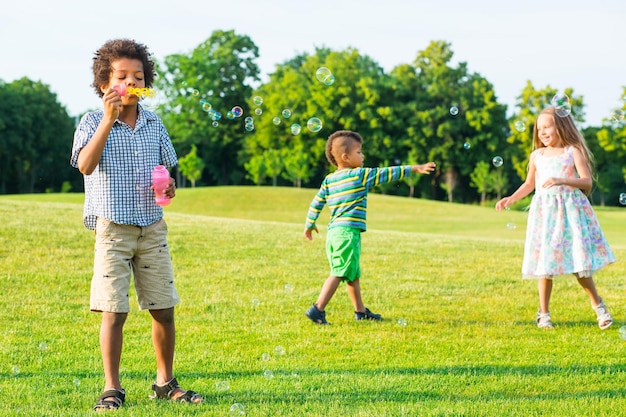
(296, 165)
(352, 102)
(35, 136)
(257, 171)
(191, 166)
(202, 88)
(480, 179)
(443, 107)
(273, 164)
(498, 182)
(606, 143)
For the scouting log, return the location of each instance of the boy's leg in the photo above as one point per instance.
(328, 290)
(354, 292)
(164, 341)
(360, 311)
(111, 330)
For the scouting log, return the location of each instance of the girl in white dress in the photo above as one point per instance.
(563, 234)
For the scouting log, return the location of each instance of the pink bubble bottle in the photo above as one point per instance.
(160, 181)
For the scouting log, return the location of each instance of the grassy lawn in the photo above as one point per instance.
(458, 338)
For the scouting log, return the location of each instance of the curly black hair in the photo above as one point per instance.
(340, 142)
(116, 49)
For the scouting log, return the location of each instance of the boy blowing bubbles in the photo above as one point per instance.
(345, 192)
(116, 149)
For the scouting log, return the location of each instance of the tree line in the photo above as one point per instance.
(229, 128)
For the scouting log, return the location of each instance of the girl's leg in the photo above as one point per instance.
(354, 292)
(328, 290)
(545, 291)
(602, 313)
(590, 288)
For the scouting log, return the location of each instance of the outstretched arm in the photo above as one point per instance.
(426, 168)
(526, 188)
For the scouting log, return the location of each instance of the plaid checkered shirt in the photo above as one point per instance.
(119, 188)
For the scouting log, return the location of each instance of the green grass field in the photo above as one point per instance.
(246, 275)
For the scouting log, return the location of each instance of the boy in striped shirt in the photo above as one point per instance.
(345, 193)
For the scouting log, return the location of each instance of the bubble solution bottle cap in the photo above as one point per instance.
(160, 181)
(120, 88)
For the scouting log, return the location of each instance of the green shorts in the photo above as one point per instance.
(343, 249)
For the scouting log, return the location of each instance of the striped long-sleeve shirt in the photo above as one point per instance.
(345, 193)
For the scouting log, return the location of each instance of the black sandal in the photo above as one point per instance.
(166, 391)
(111, 399)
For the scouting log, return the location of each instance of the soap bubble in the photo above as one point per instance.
(206, 106)
(215, 123)
(497, 161)
(195, 92)
(276, 120)
(230, 115)
(256, 302)
(314, 124)
(296, 129)
(467, 145)
(257, 100)
(511, 226)
(617, 116)
(222, 385)
(15, 370)
(330, 80)
(520, 126)
(258, 111)
(43, 346)
(76, 382)
(279, 350)
(454, 110)
(286, 113)
(562, 105)
(237, 111)
(622, 332)
(325, 76)
(288, 287)
(268, 374)
(214, 114)
(622, 199)
(402, 322)
(237, 409)
(266, 357)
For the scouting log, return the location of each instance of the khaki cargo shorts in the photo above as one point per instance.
(122, 251)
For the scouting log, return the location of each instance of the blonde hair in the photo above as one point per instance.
(568, 133)
(339, 143)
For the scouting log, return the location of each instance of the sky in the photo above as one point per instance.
(561, 44)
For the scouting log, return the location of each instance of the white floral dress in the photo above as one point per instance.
(563, 234)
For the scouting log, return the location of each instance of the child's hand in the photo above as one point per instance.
(112, 103)
(170, 191)
(504, 203)
(553, 181)
(308, 233)
(426, 168)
